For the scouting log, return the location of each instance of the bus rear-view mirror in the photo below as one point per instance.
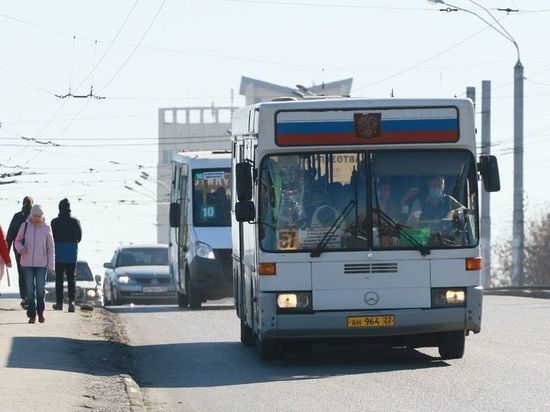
(175, 214)
(488, 168)
(243, 177)
(97, 279)
(245, 211)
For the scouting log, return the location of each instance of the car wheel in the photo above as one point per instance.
(194, 300)
(114, 299)
(182, 300)
(106, 300)
(247, 335)
(451, 345)
(268, 349)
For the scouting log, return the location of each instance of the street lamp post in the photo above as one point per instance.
(518, 275)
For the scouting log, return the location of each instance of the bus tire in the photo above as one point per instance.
(182, 300)
(451, 345)
(194, 300)
(268, 349)
(247, 335)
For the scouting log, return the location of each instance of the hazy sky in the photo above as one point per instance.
(194, 52)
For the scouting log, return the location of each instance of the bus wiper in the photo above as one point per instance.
(332, 230)
(424, 251)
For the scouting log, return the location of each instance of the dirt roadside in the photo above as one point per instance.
(72, 362)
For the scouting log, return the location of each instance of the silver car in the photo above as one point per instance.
(138, 273)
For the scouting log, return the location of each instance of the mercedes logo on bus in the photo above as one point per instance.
(371, 298)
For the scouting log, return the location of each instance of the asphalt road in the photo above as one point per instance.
(193, 361)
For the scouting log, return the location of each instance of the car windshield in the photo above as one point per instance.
(421, 198)
(143, 257)
(82, 272)
(212, 197)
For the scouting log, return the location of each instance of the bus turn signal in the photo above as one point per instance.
(474, 263)
(266, 269)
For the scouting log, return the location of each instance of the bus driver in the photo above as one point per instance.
(435, 206)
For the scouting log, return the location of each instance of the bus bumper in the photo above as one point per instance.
(213, 278)
(333, 324)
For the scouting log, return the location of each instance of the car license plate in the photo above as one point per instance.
(371, 321)
(155, 289)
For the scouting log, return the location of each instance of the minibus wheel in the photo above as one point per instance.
(194, 300)
(451, 345)
(182, 300)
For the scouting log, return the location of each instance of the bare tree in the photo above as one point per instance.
(537, 251)
(537, 255)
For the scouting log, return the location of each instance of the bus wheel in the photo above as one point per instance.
(247, 336)
(182, 300)
(451, 345)
(194, 300)
(268, 349)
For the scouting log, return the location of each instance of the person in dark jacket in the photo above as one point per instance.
(18, 219)
(67, 233)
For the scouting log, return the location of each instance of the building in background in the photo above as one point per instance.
(208, 128)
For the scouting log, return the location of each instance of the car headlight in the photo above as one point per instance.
(91, 293)
(204, 250)
(294, 302)
(448, 297)
(124, 279)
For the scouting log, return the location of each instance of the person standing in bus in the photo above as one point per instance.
(435, 206)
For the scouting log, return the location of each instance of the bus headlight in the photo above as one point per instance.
(448, 297)
(204, 250)
(294, 301)
(90, 293)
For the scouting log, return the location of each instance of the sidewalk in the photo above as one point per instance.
(64, 364)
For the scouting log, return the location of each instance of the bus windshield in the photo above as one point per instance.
(212, 197)
(375, 200)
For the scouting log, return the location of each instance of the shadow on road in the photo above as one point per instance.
(209, 364)
(92, 357)
(164, 308)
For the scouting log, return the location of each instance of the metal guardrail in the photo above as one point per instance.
(534, 287)
(534, 291)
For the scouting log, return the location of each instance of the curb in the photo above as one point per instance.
(134, 394)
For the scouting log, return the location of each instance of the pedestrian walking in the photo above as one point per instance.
(18, 219)
(4, 254)
(67, 234)
(34, 242)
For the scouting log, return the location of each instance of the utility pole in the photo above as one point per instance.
(486, 196)
(518, 274)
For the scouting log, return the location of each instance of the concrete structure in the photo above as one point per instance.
(189, 128)
(207, 128)
(257, 91)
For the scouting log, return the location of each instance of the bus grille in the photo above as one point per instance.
(359, 268)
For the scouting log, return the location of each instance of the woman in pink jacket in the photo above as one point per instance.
(34, 242)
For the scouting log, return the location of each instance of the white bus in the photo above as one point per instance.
(200, 232)
(358, 219)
